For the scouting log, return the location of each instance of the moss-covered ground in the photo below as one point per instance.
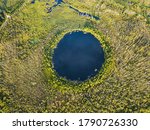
(28, 35)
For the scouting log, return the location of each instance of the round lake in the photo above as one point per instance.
(78, 56)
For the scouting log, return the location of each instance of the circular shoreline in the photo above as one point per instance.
(78, 56)
(64, 84)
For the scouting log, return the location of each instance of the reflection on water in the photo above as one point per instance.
(78, 56)
(58, 2)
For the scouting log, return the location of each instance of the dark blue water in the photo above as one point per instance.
(78, 56)
(84, 14)
(58, 2)
(33, 1)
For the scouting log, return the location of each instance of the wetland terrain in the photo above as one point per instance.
(74, 56)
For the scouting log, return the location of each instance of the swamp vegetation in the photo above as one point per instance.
(29, 33)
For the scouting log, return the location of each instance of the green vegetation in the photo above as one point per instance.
(28, 82)
(8, 7)
(52, 76)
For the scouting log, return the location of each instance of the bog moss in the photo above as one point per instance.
(64, 84)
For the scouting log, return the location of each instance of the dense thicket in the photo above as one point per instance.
(7, 7)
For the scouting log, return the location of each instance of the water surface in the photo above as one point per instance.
(58, 2)
(78, 56)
